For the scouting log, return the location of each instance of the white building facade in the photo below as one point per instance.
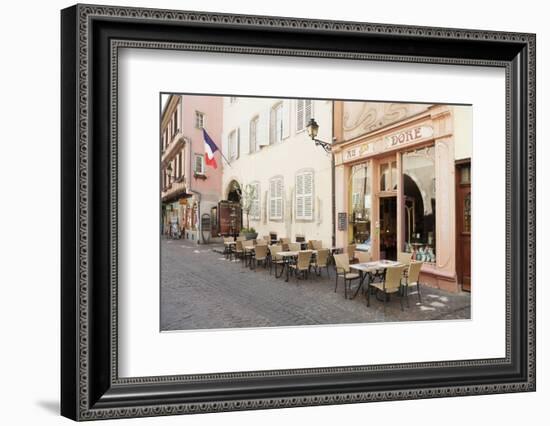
(268, 148)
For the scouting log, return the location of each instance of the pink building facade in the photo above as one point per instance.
(191, 189)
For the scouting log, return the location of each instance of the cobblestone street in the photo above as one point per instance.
(202, 290)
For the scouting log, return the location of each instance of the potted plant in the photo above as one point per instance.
(249, 233)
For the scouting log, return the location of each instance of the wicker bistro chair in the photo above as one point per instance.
(302, 265)
(363, 256)
(261, 242)
(259, 255)
(390, 285)
(351, 252)
(294, 247)
(317, 244)
(404, 258)
(285, 242)
(241, 238)
(247, 254)
(276, 259)
(412, 279)
(239, 250)
(321, 261)
(343, 270)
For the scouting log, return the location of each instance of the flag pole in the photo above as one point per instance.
(223, 156)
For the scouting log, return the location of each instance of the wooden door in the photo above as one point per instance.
(463, 225)
(229, 218)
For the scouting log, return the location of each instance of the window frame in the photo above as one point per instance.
(253, 143)
(273, 123)
(203, 166)
(202, 115)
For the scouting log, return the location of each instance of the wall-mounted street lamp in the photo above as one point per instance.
(313, 131)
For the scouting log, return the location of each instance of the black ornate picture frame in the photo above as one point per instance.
(90, 385)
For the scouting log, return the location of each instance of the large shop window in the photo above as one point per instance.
(276, 198)
(419, 209)
(361, 205)
(304, 196)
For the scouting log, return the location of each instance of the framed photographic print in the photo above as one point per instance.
(263, 212)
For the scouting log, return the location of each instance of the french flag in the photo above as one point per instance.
(209, 149)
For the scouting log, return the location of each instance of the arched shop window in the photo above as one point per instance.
(419, 206)
(361, 205)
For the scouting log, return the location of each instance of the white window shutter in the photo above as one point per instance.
(300, 115)
(252, 135)
(262, 129)
(272, 198)
(280, 199)
(308, 111)
(299, 196)
(272, 126)
(226, 149)
(244, 146)
(304, 196)
(308, 196)
(286, 118)
(238, 143)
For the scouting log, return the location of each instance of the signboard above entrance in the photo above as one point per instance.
(389, 142)
(407, 136)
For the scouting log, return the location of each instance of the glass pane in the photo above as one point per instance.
(419, 208)
(384, 177)
(360, 206)
(394, 175)
(467, 212)
(465, 174)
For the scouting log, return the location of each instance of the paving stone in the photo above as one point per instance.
(202, 290)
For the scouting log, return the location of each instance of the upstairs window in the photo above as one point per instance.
(200, 120)
(276, 124)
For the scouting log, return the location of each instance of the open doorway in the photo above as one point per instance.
(388, 227)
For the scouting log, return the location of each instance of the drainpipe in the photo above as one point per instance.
(197, 193)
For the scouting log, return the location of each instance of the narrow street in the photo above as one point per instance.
(202, 290)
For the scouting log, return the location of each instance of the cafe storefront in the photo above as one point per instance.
(396, 187)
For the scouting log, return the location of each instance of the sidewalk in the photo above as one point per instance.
(200, 289)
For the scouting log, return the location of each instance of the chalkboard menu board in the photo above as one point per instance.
(342, 221)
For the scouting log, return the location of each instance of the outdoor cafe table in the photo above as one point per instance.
(366, 269)
(287, 256)
(228, 246)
